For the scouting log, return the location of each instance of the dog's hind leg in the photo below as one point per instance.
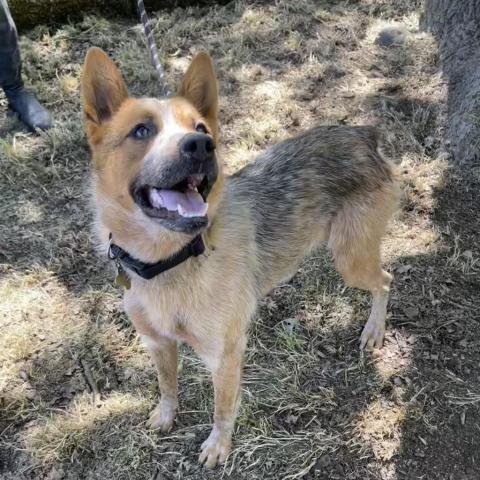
(355, 239)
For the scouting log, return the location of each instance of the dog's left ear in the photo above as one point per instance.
(199, 86)
(103, 90)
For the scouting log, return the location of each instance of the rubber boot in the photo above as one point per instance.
(28, 108)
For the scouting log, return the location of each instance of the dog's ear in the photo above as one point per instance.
(199, 86)
(103, 89)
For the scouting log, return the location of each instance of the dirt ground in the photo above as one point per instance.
(76, 385)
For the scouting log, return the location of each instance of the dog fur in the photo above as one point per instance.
(327, 187)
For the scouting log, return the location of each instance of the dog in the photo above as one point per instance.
(197, 249)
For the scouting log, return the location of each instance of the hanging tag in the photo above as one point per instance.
(122, 279)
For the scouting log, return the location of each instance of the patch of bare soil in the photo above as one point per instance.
(76, 385)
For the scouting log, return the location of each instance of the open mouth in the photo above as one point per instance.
(186, 199)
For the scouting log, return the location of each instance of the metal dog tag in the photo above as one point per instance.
(122, 279)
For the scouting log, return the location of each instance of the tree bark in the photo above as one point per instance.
(29, 13)
(456, 25)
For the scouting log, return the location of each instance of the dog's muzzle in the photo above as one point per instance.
(176, 195)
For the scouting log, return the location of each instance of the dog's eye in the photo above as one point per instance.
(141, 131)
(201, 128)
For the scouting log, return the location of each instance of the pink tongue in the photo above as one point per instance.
(189, 204)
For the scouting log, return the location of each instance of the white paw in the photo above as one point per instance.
(163, 416)
(372, 335)
(215, 449)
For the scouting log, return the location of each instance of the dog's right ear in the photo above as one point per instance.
(103, 90)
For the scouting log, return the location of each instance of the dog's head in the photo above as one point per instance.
(154, 158)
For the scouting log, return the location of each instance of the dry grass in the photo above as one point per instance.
(75, 383)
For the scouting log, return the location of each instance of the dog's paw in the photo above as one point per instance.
(163, 416)
(215, 449)
(372, 335)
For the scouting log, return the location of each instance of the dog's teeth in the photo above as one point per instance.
(184, 213)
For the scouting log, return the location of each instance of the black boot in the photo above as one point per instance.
(20, 100)
(29, 109)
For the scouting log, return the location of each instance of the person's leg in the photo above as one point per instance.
(19, 99)
(10, 65)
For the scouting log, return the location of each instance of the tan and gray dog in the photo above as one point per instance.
(199, 249)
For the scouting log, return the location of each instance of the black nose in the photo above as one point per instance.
(197, 145)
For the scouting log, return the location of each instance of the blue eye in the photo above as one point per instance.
(141, 131)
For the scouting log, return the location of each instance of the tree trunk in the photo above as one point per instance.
(29, 13)
(456, 25)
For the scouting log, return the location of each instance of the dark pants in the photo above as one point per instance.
(10, 64)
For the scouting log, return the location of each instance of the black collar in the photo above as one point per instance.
(149, 270)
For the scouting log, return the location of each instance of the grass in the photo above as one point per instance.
(76, 385)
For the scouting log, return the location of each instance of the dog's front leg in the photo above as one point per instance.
(165, 357)
(226, 383)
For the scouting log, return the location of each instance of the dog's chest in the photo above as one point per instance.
(180, 313)
(168, 312)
